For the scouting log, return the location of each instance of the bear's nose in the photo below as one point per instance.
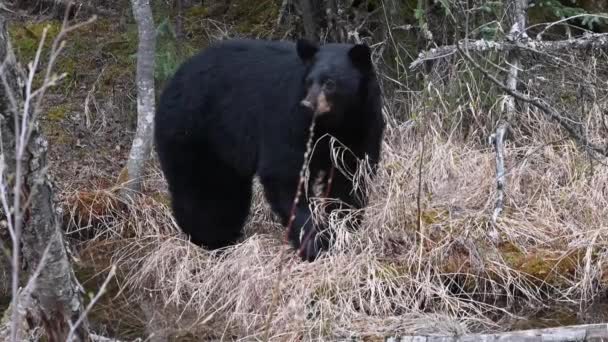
(316, 100)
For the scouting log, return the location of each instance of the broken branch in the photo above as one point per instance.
(586, 41)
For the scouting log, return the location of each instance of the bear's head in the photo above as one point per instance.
(337, 76)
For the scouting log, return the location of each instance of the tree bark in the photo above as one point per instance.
(311, 28)
(54, 300)
(283, 11)
(516, 13)
(179, 31)
(142, 143)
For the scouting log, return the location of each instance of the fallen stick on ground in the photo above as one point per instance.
(587, 332)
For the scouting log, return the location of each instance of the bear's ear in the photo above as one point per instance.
(306, 50)
(361, 56)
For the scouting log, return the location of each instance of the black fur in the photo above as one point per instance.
(233, 111)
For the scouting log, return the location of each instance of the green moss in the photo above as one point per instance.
(54, 130)
(170, 53)
(113, 312)
(391, 271)
(57, 113)
(120, 51)
(324, 292)
(196, 12)
(162, 197)
(543, 266)
(82, 50)
(26, 37)
(568, 98)
(193, 23)
(433, 216)
(52, 123)
(69, 66)
(511, 253)
(255, 17)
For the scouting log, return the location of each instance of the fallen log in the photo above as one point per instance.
(586, 332)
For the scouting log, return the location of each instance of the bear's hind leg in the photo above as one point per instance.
(213, 209)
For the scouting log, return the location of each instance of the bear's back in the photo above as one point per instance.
(243, 60)
(245, 70)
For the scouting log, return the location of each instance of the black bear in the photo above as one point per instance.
(243, 107)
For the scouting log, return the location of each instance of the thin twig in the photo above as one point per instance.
(418, 197)
(292, 217)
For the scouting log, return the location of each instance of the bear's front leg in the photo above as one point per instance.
(302, 233)
(312, 241)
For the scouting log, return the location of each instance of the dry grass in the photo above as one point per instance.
(386, 278)
(389, 277)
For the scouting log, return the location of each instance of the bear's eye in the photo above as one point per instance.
(329, 85)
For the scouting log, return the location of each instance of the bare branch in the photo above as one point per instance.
(597, 40)
(582, 15)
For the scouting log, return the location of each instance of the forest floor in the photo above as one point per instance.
(414, 269)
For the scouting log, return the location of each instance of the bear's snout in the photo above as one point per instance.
(316, 100)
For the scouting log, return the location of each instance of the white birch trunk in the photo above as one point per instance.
(142, 142)
(517, 14)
